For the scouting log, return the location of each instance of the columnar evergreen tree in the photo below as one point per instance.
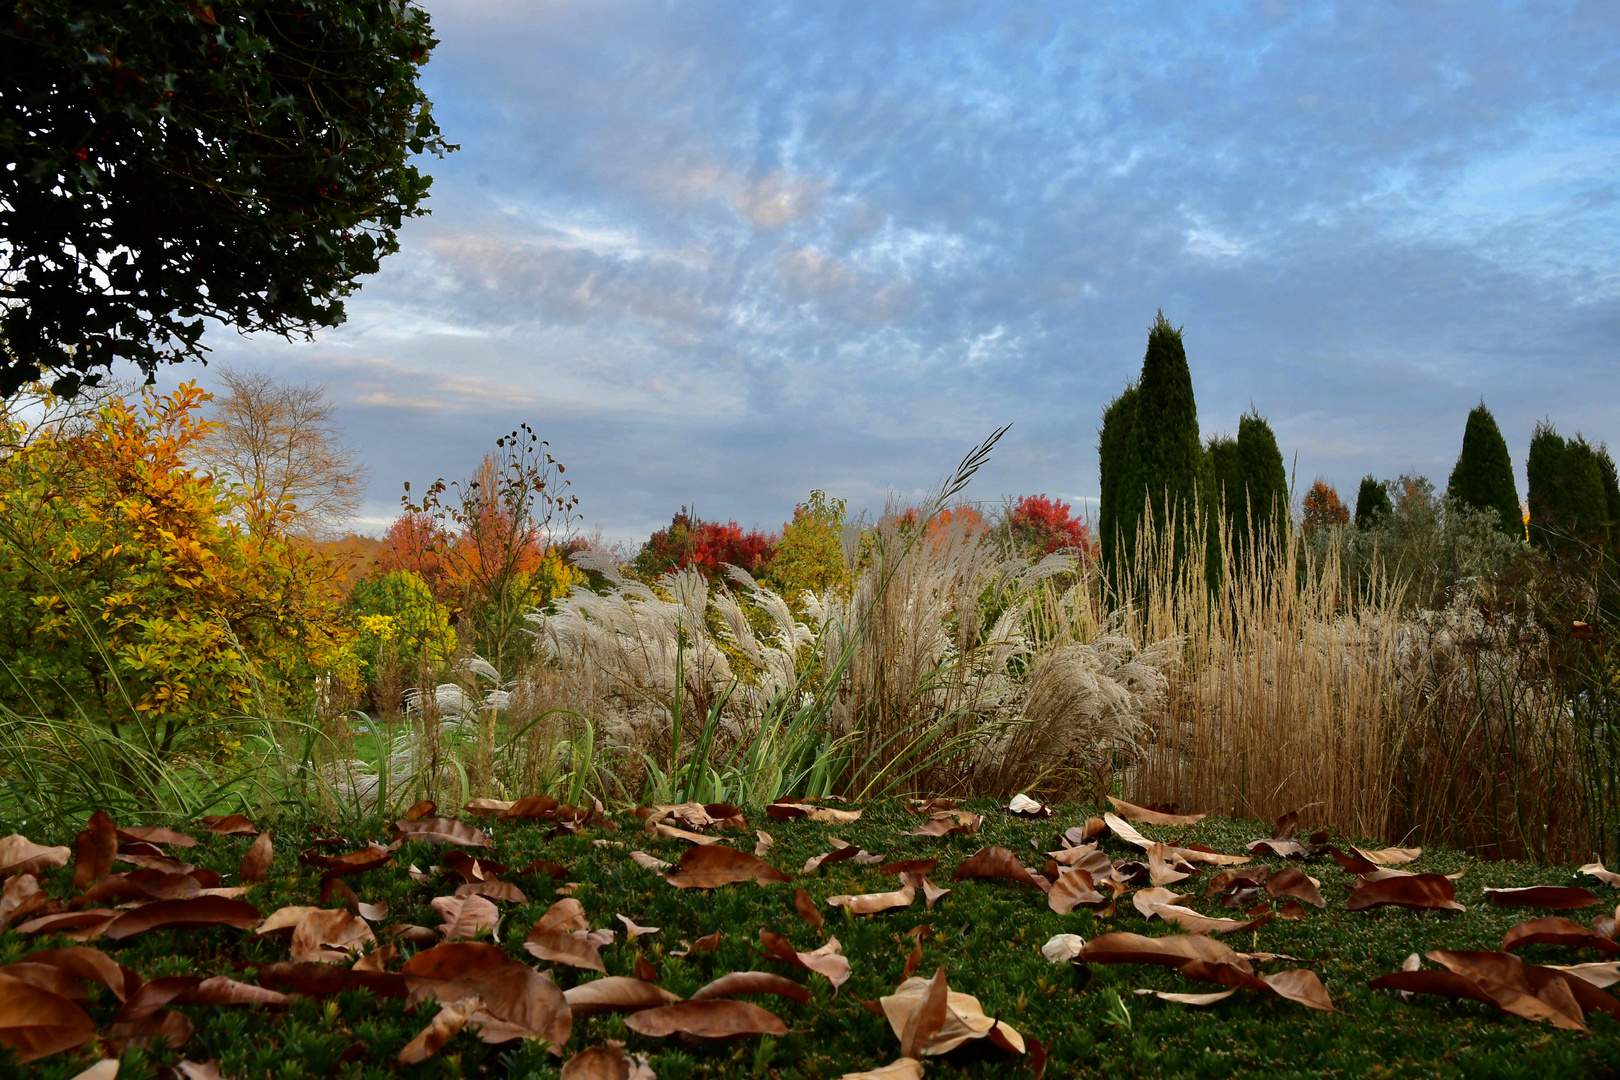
(1569, 500)
(1483, 476)
(1265, 480)
(1166, 454)
(1372, 503)
(1113, 460)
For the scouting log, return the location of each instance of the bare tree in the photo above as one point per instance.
(279, 443)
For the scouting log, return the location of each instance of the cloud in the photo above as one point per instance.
(725, 254)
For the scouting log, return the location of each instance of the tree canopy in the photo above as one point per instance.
(167, 163)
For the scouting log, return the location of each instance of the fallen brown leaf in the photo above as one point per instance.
(35, 1023)
(1173, 951)
(329, 936)
(371, 857)
(19, 855)
(826, 961)
(807, 909)
(1292, 881)
(446, 1024)
(155, 994)
(899, 1069)
(440, 830)
(1419, 892)
(751, 982)
(608, 1062)
(173, 1028)
(1071, 890)
(324, 980)
(1556, 930)
(706, 943)
(710, 867)
(1389, 856)
(1595, 869)
(1188, 999)
(1559, 897)
(1131, 812)
(1024, 806)
(256, 863)
(930, 1019)
(706, 1020)
(465, 917)
(93, 850)
(420, 810)
(763, 848)
(197, 911)
(493, 890)
(616, 993)
(994, 862)
(948, 823)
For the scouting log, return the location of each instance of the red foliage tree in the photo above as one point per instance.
(1042, 525)
(691, 541)
(1322, 508)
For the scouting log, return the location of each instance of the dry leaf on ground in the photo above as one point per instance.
(20, 855)
(1188, 999)
(440, 831)
(1071, 890)
(634, 931)
(807, 909)
(329, 936)
(1556, 930)
(93, 850)
(1063, 948)
(198, 911)
(1558, 897)
(763, 848)
(1389, 856)
(751, 982)
(229, 825)
(608, 1062)
(711, 867)
(929, 1019)
(706, 1020)
(616, 993)
(1117, 826)
(994, 862)
(1419, 892)
(35, 1023)
(826, 961)
(871, 903)
(256, 863)
(948, 823)
(1131, 812)
(1595, 869)
(1024, 806)
(465, 917)
(446, 1024)
(1292, 881)
(1502, 981)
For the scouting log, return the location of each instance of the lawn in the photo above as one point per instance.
(986, 933)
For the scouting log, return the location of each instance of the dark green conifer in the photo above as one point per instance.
(1166, 454)
(1569, 503)
(1113, 462)
(1483, 476)
(1265, 480)
(1373, 504)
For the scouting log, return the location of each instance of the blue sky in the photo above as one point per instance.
(722, 253)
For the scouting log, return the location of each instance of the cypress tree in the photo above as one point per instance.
(1569, 503)
(1113, 463)
(1166, 454)
(1265, 481)
(1372, 503)
(1222, 485)
(1483, 476)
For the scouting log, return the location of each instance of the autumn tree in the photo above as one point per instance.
(1483, 476)
(127, 595)
(709, 546)
(279, 444)
(169, 162)
(495, 539)
(1322, 508)
(1037, 525)
(810, 554)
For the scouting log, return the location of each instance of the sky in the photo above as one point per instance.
(719, 254)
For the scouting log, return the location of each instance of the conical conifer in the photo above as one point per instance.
(1113, 463)
(1264, 479)
(1166, 455)
(1483, 476)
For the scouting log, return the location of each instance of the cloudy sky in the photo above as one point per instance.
(722, 253)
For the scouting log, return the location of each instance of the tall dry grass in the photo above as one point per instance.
(1302, 685)
(1288, 690)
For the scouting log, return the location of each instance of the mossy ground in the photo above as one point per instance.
(986, 933)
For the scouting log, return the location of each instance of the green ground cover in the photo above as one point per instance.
(987, 934)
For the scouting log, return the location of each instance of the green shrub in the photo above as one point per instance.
(401, 624)
(1113, 460)
(1569, 494)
